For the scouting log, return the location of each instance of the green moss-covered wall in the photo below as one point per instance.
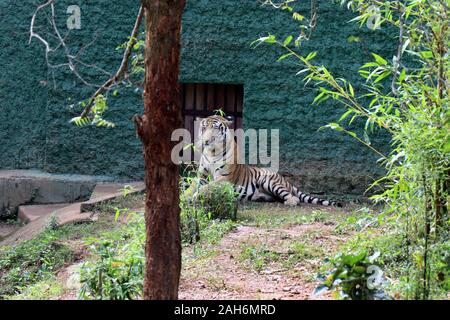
(216, 38)
(23, 93)
(217, 49)
(96, 151)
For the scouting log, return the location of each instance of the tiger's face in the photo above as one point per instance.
(214, 133)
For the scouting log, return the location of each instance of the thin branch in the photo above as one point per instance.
(398, 57)
(71, 63)
(93, 66)
(33, 19)
(123, 66)
(313, 20)
(72, 66)
(83, 48)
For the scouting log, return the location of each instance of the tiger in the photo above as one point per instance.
(218, 163)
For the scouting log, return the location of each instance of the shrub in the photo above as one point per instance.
(214, 201)
(219, 200)
(112, 276)
(117, 272)
(353, 276)
(31, 261)
(408, 98)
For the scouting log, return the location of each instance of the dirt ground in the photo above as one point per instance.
(274, 252)
(223, 277)
(225, 274)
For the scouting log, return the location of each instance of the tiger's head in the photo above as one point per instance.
(214, 133)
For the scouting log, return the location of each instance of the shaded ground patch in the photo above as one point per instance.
(273, 253)
(270, 252)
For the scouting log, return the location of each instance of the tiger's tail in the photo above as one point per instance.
(306, 198)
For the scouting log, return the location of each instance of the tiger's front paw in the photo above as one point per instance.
(292, 201)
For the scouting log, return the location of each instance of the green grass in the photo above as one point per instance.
(210, 235)
(285, 254)
(37, 260)
(257, 256)
(40, 258)
(32, 261)
(276, 215)
(41, 290)
(28, 270)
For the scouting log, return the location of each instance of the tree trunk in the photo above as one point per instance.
(162, 115)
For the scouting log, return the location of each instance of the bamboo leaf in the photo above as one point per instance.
(287, 41)
(380, 60)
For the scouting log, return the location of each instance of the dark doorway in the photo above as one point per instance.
(201, 99)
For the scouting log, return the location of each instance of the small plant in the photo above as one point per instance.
(219, 200)
(353, 276)
(212, 201)
(127, 190)
(258, 256)
(52, 223)
(31, 261)
(408, 99)
(116, 270)
(111, 277)
(191, 217)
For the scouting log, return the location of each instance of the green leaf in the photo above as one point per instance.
(117, 215)
(297, 16)
(352, 259)
(79, 121)
(382, 76)
(381, 61)
(351, 39)
(346, 114)
(369, 65)
(334, 126)
(284, 56)
(318, 97)
(426, 54)
(269, 39)
(351, 133)
(359, 270)
(311, 55)
(402, 75)
(350, 88)
(287, 41)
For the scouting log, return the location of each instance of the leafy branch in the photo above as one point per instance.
(95, 106)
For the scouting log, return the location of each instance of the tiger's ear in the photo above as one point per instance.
(230, 120)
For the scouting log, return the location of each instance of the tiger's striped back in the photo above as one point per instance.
(219, 160)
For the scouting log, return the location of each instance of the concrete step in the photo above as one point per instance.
(6, 229)
(68, 214)
(105, 192)
(18, 187)
(104, 189)
(37, 217)
(73, 214)
(32, 212)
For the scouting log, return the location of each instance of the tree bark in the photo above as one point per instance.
(162, 115)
